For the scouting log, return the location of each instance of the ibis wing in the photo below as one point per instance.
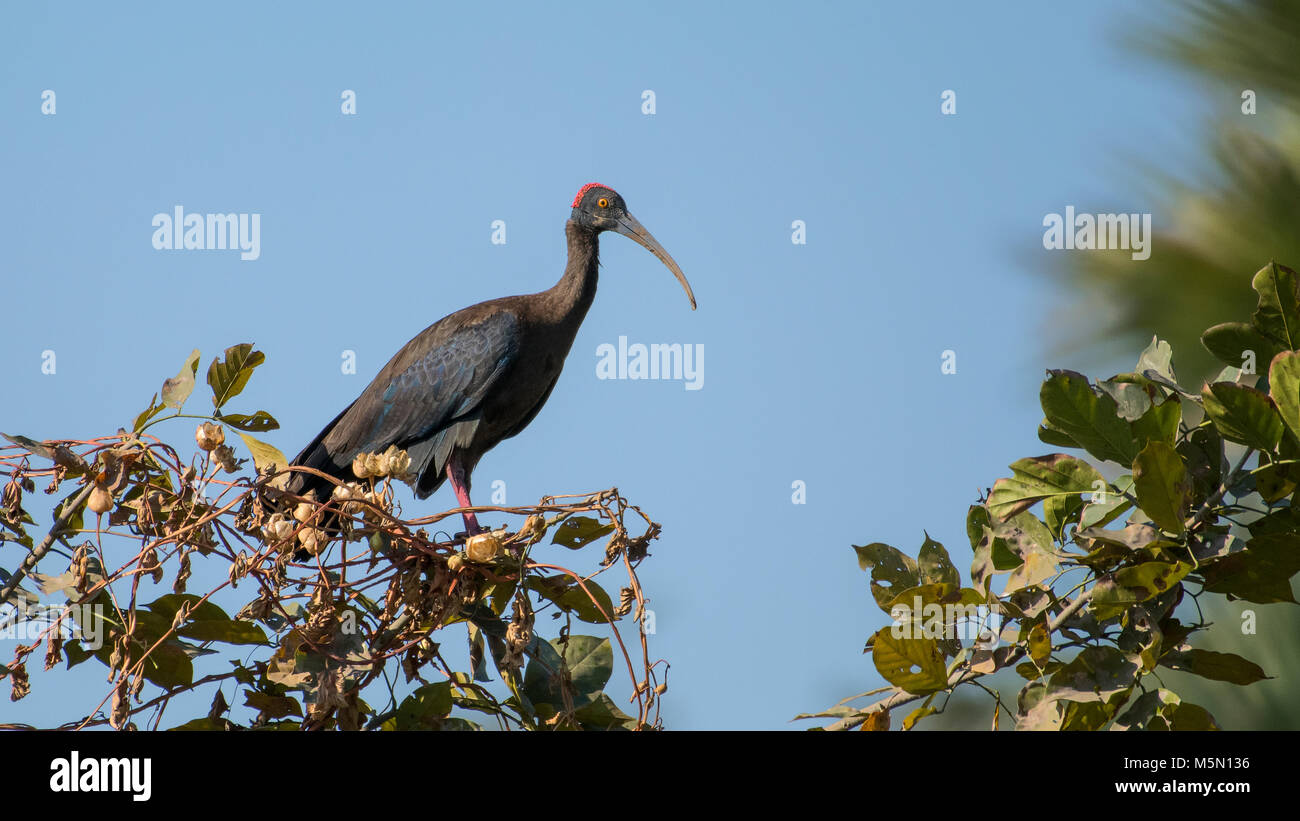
(438, 379)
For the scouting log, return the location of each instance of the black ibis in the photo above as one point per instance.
(479, 375)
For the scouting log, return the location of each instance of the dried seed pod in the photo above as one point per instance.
(483, 548)
(311, 539)
(359, 468)
(183, 575)
(209, 436)
(399, 464)
(455, 563)
(225, 456)
(534, 528)
(100, 501)
(303, 511)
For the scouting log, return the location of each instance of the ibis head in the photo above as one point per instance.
(600, 208)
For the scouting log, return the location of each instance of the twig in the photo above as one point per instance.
(34, 558)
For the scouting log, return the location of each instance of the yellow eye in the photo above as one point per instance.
(602, 202)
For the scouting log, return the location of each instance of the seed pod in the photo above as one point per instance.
(534, 528)
(303, 511)
(209, 435)
(359, 466)
(311, 540)
(455, 563)
(376, 465)
(100, 501)
(483, 548)
(225, 456)
(399, 464)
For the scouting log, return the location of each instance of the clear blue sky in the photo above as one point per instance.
(822, 361)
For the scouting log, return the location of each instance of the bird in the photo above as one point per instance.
(479, 375)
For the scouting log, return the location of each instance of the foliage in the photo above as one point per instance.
(336, 592)
(1092, 606)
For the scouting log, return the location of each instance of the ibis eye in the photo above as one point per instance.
(602, 202)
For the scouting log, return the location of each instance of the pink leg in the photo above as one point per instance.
(460, 484)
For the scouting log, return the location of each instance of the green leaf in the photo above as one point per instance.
(569, 596)
(1029, 539)
(273, 706)
(914, 664)
(1209, 664)
(892, 571)
(148, 413)
(1108, 505)
(1278, 313)
(1049, 435)
(934, 564)
(1092, 420)
(423, 709)
(168, 666)
(228, 375)
(1243, 414)
(177, 389)
(1261, 573)
(202, 723)
(1162, 486)
(265, 457)
(1150, 579)
(1234, 342)
(230, 632)
(257, 422)
(579, 531)
(1061, 511)
(590, 663)
(1095, 674)
(603, 714)
(1284, 388)
(1158, 424)
(1041, 477)
(168, 606)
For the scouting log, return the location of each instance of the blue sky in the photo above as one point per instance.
(822, 360)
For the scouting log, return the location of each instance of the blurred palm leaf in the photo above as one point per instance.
(1212, 234)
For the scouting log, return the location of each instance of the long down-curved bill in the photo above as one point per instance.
(630, 228)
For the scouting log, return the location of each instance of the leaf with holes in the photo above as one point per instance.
(914, 664)
(579, 531)
(892, 571)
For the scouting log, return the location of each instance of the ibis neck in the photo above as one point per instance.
(572, 295)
